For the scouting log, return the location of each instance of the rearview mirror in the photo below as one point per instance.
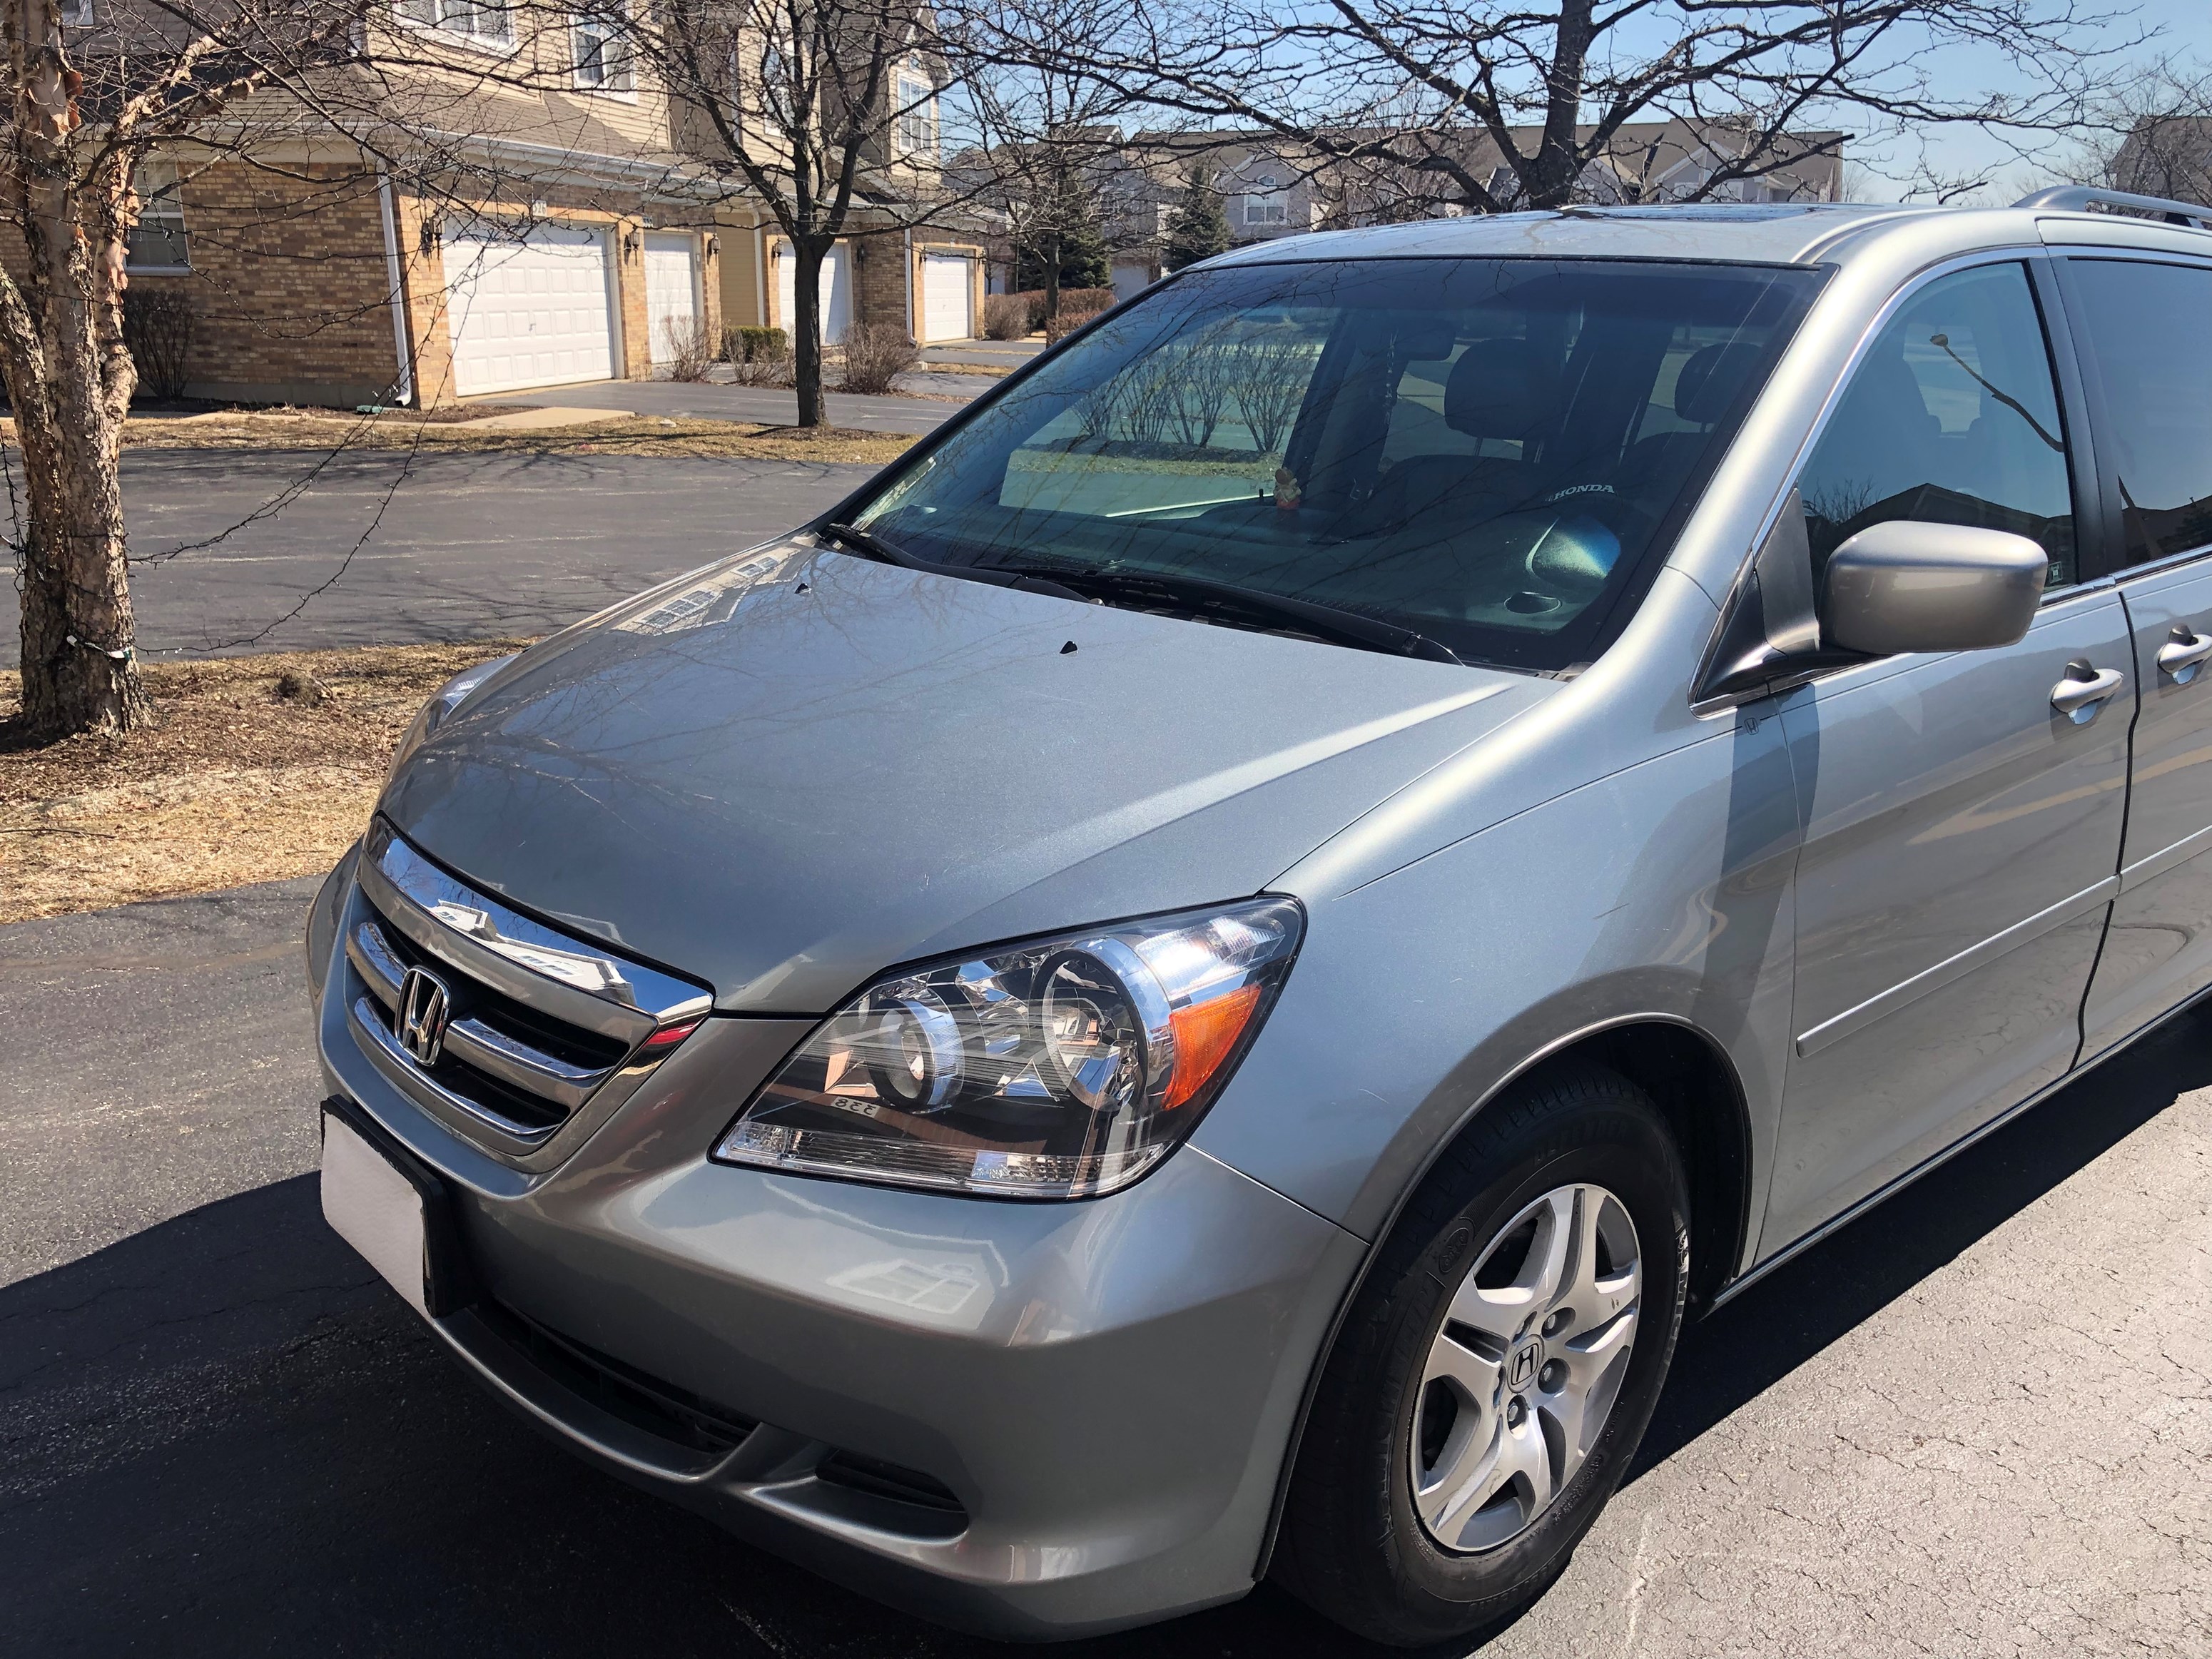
(1910, 585)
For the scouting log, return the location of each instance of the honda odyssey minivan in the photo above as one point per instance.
(1192, 985)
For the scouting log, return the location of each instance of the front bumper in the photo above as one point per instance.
(1099, 1393)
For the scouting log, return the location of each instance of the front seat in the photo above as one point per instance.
(1496, 391)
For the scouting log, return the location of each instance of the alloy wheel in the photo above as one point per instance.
(1524, 1371)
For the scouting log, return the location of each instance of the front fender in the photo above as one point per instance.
(323, 923)
(1661, 891)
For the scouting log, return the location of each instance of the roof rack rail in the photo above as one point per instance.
(2077, 196)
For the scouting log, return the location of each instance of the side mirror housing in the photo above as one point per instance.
(1911, 585)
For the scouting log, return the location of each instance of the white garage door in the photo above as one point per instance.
(533, 310)
(837, 293)
(672, 293)
(948, 291)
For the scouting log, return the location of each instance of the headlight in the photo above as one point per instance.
(449, 697)
(1060, 1069)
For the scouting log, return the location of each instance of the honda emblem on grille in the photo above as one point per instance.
(425, 1005)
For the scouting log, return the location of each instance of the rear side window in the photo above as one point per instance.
(2148, 329)
(1952, 418)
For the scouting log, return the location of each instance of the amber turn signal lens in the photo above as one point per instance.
(1205, 1032)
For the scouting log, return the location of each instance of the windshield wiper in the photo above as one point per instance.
(870, 545)
(1200, 597)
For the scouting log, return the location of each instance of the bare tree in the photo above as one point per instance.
(81, 119)
(1051, 146)
(2153, 136)
(828, 113)
(1530, 105)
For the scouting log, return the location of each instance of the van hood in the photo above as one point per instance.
(793, 769)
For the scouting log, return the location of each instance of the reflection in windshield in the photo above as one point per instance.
(1481, 452)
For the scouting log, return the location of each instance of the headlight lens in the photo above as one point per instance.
(450, 696)
(1062, 1068)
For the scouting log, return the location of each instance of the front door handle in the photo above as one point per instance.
(2182, 651)
(2083, 691)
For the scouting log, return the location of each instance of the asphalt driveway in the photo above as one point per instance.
(378, 549)
(1979, 1423)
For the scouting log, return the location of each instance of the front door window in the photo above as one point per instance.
(1952, 418)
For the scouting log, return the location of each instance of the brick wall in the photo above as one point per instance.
(288, 284)
(879, 290)
(291, 289)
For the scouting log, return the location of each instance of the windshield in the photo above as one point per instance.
(1485, 453)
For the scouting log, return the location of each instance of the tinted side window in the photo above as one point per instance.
(2149, 332)
(1952, 418)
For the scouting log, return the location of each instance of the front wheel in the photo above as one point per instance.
(1497, 1368)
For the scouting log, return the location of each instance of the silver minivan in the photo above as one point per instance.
(1192, 984)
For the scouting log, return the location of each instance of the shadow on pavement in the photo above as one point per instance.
(1779, 1323)
(220, 1436)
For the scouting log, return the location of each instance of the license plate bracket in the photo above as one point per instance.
(394, 1209)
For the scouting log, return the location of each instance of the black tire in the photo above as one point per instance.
(1352, 1546)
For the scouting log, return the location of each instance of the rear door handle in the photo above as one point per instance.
(2083, 691)
(2182, 651)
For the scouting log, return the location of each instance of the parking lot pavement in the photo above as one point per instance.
(466, 546)
(1978, 1423)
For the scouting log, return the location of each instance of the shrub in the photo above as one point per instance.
(876, 355)
(1081, 302)
(1008, 316)
(1070, 319)
(157, 329)
(761, 356)
(690, 348)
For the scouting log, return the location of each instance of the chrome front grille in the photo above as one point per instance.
(513, 1028)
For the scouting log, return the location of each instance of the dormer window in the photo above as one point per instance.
(603, 55)
(489, 22)
(1267, 202)
(914, 124)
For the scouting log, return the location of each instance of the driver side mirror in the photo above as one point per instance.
(1910, 585)
(1903, 585)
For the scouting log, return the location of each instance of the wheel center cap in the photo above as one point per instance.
(1521, 1369)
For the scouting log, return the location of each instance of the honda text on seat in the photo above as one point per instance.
(1192, 984)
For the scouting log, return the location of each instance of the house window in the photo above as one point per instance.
(603, 58)
(76, 13)
(1267, 203)
(915, 130)
(489, 20)
(158, 242)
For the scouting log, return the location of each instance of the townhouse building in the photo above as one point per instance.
(1272, 187)
(516, 206)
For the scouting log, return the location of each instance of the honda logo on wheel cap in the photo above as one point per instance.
(425, 1005)
(1523, 1370)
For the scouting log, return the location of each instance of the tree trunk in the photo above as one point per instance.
(70, 379)
(1553, 178)
(80, 667)
(1052, 275)
(806, 328)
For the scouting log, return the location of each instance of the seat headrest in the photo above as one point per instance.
(1497, 390)
(1705, 385)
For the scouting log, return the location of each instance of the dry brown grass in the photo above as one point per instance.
(238, 782)
(623, 435)
(989, 370)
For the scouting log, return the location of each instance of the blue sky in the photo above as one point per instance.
(2186, 31)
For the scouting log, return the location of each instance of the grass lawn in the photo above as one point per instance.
(261, 768)
(285, 428)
